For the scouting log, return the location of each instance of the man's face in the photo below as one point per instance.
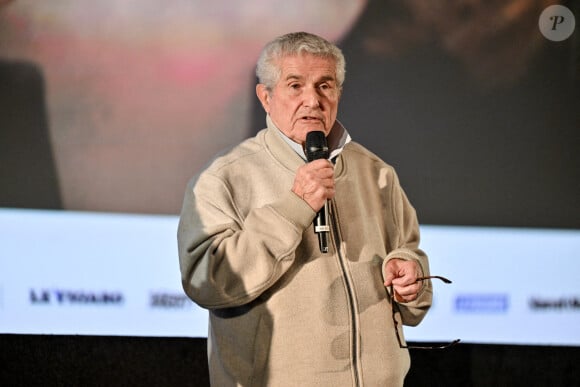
(305, 98)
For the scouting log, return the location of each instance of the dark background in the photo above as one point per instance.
(482, 125)
(153, 361)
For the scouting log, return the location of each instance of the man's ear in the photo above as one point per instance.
(264, 96)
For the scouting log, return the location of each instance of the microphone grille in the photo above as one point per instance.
(316, 146)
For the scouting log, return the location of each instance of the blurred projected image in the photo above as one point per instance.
(112, 106)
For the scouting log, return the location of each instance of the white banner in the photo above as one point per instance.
(64, 272)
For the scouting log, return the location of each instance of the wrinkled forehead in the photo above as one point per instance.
(299, 65)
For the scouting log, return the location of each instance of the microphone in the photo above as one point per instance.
(317, 148)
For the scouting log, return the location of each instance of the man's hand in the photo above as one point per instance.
(314, 183)
(403, 276)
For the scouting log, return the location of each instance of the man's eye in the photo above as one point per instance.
(294, 86)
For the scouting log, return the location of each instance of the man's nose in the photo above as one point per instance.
(311, 97)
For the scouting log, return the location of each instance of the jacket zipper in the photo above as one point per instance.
(349, 290)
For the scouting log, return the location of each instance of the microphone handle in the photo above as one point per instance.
(322, 228)
(315, 148)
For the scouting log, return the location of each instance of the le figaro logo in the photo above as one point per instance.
(75, 297)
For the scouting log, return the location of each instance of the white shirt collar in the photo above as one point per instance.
(337, 140)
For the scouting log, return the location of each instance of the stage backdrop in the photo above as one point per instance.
(107, 109)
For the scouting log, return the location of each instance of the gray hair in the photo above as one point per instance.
(268, 70)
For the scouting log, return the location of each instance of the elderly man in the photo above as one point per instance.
(282, 312)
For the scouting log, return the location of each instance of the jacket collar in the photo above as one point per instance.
(292, 156)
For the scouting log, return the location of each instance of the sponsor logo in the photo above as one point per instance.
(168, 300)
(74, 297)
(482, 303)
(555, 304)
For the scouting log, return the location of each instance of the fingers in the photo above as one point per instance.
(406, 293)
(401, 272)
(389, 277)
(402, 276)
(314, 183)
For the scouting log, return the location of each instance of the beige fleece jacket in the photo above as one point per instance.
(282, 313)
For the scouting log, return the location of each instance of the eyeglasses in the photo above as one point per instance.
(396, 323)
